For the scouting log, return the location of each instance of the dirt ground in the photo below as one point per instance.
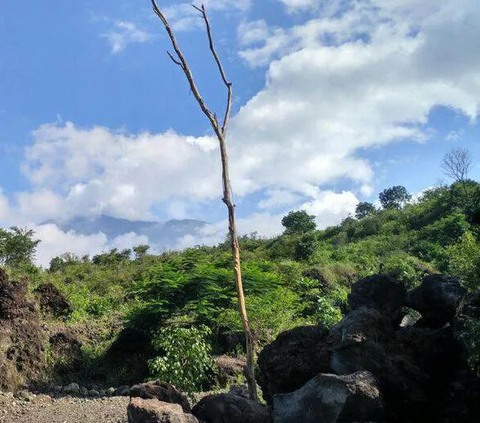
(45, 409)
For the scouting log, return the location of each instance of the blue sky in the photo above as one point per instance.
(334, 101)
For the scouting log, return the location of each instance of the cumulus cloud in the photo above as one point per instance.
(124, 33)
(56, 242)
(122, 175)
(366, 77)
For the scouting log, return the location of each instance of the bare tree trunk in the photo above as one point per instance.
(221, 133)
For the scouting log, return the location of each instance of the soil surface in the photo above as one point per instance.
(45, 409)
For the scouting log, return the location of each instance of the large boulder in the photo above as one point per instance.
(52, 301)
(229, 369)
(358, 342)
(330, 398)
(161, 391)
(227, 408)
(66, 350)
(292, 360)
(421, 363)
(154, 411)
(438, 299)
(380, 292)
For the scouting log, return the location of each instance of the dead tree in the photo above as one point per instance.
(457, 164)
(220, 130)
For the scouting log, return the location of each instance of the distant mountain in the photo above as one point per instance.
(162, 235)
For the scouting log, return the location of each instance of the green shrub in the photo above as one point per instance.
(269, 314)
(184, 357)
(464, 261)
(329, 307)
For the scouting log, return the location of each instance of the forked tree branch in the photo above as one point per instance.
(225, 80)
(182, 62)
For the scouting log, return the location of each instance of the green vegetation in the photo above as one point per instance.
(184, 357)
(186, 302)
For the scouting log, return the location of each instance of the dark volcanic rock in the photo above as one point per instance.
(357, 342)
(438, 299)
(154, 411)
(52, 301)
(292, 360)
(66, 349)
(227, 408)
(229, 369)
(330, 398)
(162, 391)
(129, 354)
(22, 357)
(380, 292)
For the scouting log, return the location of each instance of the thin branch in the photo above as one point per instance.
(186, 69)
(173, 59)
(225, 80)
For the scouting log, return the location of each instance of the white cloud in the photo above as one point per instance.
(56, 242)
(455, 136)
(101, 171)
(348, 82)
(276, 198)
(330, 208)
(125, 33)
(296, 5)
(129, 240)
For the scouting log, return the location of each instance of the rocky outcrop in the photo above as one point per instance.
(161, 391)
(292, 360)
(229, 369)
(419, 371)
(66, 351)
(52, 301)
(22, 341)
(379, 292)
(439, 298)
(229, 408)
(154, 411)
(332, 399)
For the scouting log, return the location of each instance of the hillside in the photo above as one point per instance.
(119, 313)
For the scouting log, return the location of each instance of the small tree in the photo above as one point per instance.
(306, 247)
(298, 222)
(140, 251)
(394, 197)
(17, 246)
(220, 129)
(364, 209)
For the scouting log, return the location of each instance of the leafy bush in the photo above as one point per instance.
(306, 247)
(184, 357)
(406, 268)
(269, 315)
(464, 261)
(329, 307)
